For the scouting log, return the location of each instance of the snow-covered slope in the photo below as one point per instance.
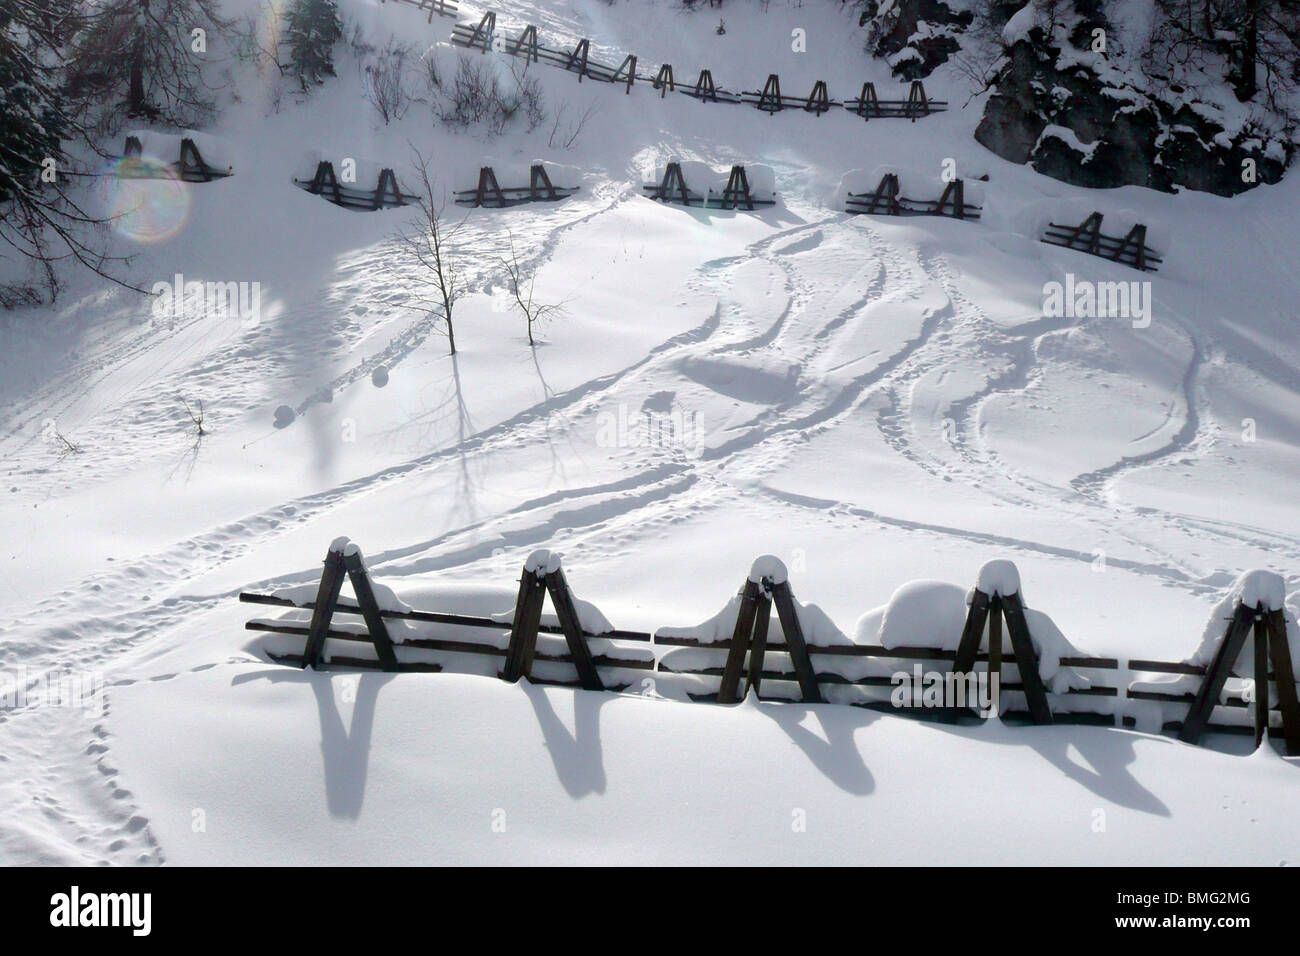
(873, 400)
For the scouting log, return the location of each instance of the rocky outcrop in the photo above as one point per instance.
(1064, 107)
(914, 36)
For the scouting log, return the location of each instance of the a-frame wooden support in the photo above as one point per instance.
(1089, 233)
(539, 184)
(578, 58)
(737, 192)
(884, 201)
(1269, 631)
(673, 186)
(770, 99)
(993, 609)
(540, 578)
(488, 188)
(626, 72)
(325, 179)
(868, 103)
(482, 35)
(750, 636)
(191, 162)
(704, 88)
(345, 558)
(133, 147)
(819, 100)
(386, 192)
(954, 194)
(1137, 238)
(918, 104)
(663, 81)
(527, 44)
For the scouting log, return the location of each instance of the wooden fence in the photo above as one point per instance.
(492, 194)
(483, 36)
(1130, 249)
(385, 195)
(367, 644)
(189, 167)
(886, 200)
(735, 195)
(444, 8)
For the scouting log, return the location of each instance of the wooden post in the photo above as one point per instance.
(1234, 638)
(325, 177)
(954, 194)
(737, 190)
(133, 147)
(488, 187)
(523, 629)
(527, 41)
(387, 187)
(783, 597)
(704, 88)
(968, 646)
(1136, 237)
(1262, 696)
(770, 99)
(486, 27)
(868, 102)
(758, 646)
(572, 627)
(1023, 646)
(818, 99)
(579, 56)
(917, 103)
(1284, 676)
(539, 184)
(728, 690)
(995, 643)
(356, 568)
(673, 181)
(327, 595)
(664, 80)
(629, 64)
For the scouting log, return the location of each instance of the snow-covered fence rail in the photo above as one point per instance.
(444, 8)
(483, 36)
(737, 193)
(413, 647)
(1040, 677)
(492, 194)
(886, 199)
(874, 669)
(189, 167)
(1131, 249)
(386, 194)
(770, 99)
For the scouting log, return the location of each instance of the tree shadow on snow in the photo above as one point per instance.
(578, 758)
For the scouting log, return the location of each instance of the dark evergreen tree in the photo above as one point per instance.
(312, 27)
(41, 222)
(148, 58)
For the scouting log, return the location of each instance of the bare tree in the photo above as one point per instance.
(519, 283)
(572, 131)
(195, 416)
(429, 246)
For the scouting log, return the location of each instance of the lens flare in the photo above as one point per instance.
(144, 199)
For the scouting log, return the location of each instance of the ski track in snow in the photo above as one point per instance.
(102, 617)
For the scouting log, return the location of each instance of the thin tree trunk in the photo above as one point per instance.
(1250, 52)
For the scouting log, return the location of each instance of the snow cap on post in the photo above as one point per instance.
(543, 562)
(1260, 587)
(770, 567)
(340, 544)
(999, 577)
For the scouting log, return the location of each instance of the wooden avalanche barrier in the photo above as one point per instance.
(444, 8)
(886, 200)
(493, 195)
(385, 195)
(1131, 249)
(189, 167)
(869, 106)
(736, 194)
(333, 638)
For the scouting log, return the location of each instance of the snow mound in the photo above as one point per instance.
(921, 614)
(999, 576)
